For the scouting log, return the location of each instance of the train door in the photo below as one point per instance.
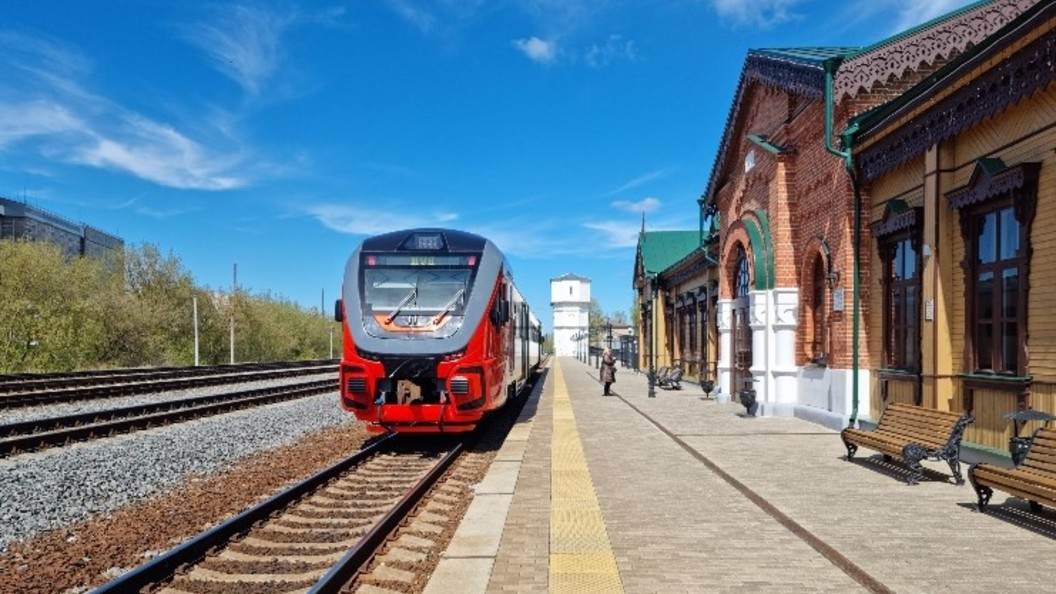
(741, 330)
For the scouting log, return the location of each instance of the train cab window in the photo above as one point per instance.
(419, 291)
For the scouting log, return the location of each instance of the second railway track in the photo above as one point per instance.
(37, 433)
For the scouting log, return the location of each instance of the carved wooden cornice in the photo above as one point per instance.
(798, 78)
(895, 221)
(987, 183)
(1000, 87)
(928, 45)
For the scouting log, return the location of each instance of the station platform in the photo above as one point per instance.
(678, 493)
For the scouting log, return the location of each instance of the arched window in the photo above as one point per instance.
(742, 281)
(819, 345)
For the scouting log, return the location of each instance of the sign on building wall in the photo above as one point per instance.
(837, 299)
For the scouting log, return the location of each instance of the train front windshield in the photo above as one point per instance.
(424, 294)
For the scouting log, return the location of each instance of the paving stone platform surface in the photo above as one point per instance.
(694, 496)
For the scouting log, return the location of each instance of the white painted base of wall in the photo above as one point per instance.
(825, 396)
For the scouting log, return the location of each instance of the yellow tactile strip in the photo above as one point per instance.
(581, 558)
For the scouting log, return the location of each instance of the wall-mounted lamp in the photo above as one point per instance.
(832, 278)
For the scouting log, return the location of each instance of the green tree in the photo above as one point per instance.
(136, 308)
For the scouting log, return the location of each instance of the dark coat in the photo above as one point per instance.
(608, 368)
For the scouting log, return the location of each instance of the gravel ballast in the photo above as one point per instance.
(61, 486)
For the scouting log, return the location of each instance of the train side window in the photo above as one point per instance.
(500, 313)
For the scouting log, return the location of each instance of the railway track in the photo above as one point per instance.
(313, 536)
(40, 391)
(376, 522)
(39, 433)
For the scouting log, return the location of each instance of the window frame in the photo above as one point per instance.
(993, 188)
(896, 334)
(998, 320)
(900, 225)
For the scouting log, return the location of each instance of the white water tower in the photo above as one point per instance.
(570, 300)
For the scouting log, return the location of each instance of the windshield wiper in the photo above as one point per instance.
(406, 300)
(447, 308)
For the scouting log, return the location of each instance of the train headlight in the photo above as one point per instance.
(460, 385)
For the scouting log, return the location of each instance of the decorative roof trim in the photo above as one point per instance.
(801, 79)
(1021, 75)
(897, 217)
(939, 40)
(989, 182)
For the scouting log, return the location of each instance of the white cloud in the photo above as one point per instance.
(413, 14)
(642, 206)
(617, 234)
(365, 220)
(763, 14)
(642, 180)
(914, 12)
(436, 15)
(39, 117)
(537, 50)
(614, 48)
(160, 154)
(44, 107)
(243, 42)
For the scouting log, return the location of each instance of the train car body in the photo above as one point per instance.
(436, 334)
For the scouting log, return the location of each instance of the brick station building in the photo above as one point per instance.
(813, 316)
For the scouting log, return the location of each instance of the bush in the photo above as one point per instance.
(59, 313)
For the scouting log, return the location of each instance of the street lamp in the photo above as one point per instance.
(652, 339)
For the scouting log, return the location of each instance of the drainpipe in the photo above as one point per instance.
(847, 138)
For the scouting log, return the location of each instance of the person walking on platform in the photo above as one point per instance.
(608, 369)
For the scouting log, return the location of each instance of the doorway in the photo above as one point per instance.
(741, 330)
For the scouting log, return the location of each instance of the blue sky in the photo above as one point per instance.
(277, 135)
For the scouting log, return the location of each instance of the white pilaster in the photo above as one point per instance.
(759, 321)
(785, 371)
(724, 324)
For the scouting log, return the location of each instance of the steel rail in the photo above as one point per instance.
(144, 386)
(27, 435)
(335, 579)
(165, 565)
(36, 381)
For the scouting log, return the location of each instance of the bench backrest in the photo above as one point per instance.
(1042, 454)
(926, 426)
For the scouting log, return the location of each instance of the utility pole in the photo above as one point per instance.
(234, 287)
(195, 302)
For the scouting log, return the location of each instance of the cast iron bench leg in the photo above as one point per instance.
(955, 468)
(913, 453)
(983, 492)
(852, 448)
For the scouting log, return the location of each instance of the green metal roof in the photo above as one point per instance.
(661, 249)
(811, 56)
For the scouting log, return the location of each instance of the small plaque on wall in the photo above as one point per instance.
(837, 299)
(929, 309)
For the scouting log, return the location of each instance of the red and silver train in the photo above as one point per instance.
(436, 335)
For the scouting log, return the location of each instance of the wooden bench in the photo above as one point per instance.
(911, 434)
(1034, 479)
